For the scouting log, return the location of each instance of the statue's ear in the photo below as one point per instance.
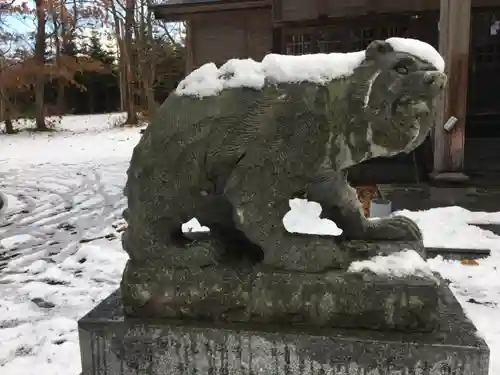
(377, 48)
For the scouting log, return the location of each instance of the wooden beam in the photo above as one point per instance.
(176, 12)
(454, 31)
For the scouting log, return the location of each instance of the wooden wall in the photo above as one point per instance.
(219, 36)
(300, 10)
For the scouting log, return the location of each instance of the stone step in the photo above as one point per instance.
(111, 343)
(492, 227)
(457, 254)
(416, 197)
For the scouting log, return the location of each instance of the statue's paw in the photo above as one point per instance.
(395, 228)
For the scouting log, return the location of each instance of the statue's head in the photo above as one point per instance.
(399, 93)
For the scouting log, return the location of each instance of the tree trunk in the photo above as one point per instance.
(5, 110)
(40, 62)
(127, 58)
(142, 54)
(59, 29)
(7, 117)
(61, 50)
(122, 81)
(144, 42)
(119, 42)
(150, 70)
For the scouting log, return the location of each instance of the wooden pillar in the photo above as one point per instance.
(277, 31)
(189, 45)
(277, 40)
(454, 30)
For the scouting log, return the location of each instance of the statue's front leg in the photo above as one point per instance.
(260, 199)
(340, 204)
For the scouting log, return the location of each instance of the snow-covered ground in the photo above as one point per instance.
(60, 252)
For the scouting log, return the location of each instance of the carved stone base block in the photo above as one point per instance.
(112, 344)
(261, 295)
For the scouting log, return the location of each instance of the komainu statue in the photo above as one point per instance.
(233, 144)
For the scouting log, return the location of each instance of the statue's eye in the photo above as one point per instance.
(404, 66)
(402, 69)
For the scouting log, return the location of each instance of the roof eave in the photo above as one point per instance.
(182, 12)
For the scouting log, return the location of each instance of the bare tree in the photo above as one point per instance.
(146, 54)
(128, 63)
(5, 104)
(39, 58)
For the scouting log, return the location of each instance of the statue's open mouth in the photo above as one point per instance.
(421, 130)
(412, 107)
(415, 110)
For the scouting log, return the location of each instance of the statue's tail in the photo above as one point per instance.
(3, 204)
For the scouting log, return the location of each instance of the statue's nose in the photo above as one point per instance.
(436, 79)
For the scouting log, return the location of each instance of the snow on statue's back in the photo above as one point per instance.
(315, 68)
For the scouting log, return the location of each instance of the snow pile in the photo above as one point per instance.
(402, 264)
(304, 217)
(194, 226)
(477, 288)
(318, 68)
(450, 227)
(422, 50)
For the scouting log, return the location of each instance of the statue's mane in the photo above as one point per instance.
(320, 68)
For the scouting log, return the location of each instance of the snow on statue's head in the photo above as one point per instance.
(392, 96)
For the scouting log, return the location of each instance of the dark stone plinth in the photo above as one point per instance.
(258, 294)
(492, 227)
(328, 296)
(112, 344)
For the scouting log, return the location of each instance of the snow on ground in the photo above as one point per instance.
(62, 147)
(448, 227)
(60, 252)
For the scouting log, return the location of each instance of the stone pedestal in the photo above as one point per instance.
(112, 344)
(261, 295)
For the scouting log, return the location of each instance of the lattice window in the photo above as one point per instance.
(329, 40)
(484, 60)
(298, 44)
(488, 54)
(358, 39)
(486, 38)
(343, 39)
(356, 34)
(367, 36)
(391, 31)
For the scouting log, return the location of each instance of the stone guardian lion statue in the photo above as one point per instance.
(233, 159)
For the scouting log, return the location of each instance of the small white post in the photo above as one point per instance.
(450, 124)
(380, 208)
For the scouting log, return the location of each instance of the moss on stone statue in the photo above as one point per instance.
(233, 160)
